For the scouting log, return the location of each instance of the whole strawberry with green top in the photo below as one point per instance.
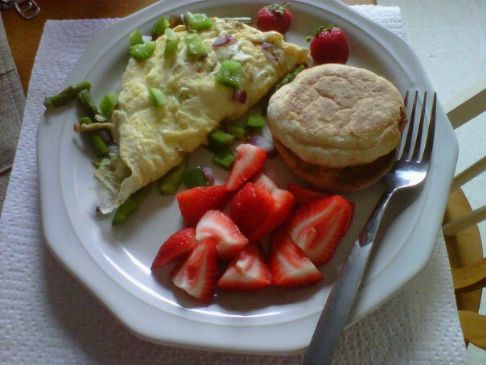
(274, 17)
(329, 45)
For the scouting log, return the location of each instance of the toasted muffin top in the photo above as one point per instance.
(336, 115)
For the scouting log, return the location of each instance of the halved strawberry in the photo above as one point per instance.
(266, 182)
(283, 202)
(194, 202)
(229, 240)
(303, 195)
(178, 244)
(289, 265)
(249, 161)
(247, 271)
(197, 275)
(250, 207)
(318, 227)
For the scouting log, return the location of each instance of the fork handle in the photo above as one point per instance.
(340, 301)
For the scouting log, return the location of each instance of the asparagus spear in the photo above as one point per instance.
(95, 140)
(66, 95)
(289, 77)
(84, 98)
(129, 206)
(172, 180)
(241, 19)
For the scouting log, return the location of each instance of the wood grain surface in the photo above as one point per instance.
(468, 270)
(24, 35)
(463, 248)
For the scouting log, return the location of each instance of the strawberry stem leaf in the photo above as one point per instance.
(323, 28)
(278, 8)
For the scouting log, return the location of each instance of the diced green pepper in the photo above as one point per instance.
(238, 132)
(229, 74)
(172, 180)
(220, 138)
(135, 37)
(224, 158)
(129, 206)
(171, 43)
(197, 21)
(156, 96)
(194, 177)
(196, 49)
(108, 104)
(160, 26)
(97, 144)
(255, 121)
(66, 95)
(142, 52)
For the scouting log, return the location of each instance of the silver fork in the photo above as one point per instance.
(408, 172)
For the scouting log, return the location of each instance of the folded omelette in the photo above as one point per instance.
(152, 140)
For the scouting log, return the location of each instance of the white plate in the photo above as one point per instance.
(115, 263)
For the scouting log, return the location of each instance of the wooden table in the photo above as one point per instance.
(24, 35)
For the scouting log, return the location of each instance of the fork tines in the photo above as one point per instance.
(413, 139)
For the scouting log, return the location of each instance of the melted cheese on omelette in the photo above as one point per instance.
(153, 140)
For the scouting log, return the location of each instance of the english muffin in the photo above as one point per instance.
(337, 126)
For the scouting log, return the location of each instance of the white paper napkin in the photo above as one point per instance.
(48, 317)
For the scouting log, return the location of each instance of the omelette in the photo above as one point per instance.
(150, 140)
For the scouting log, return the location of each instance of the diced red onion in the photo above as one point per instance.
(106, 135)
(264, 143)
(223, 40)
(267, 45)
(208, 174)
(239, 96)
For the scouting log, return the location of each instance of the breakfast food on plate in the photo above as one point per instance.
(337, 127)
(168, 105)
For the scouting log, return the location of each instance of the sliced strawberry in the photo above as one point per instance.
(318, 227)
(197, 275)
(289, 265)
(303, 195)
(249, 161)
(247, 271)
(266, 182)
(194, 202)
(229, 240)
(283, 202)
(180, 243)
(250, 207)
